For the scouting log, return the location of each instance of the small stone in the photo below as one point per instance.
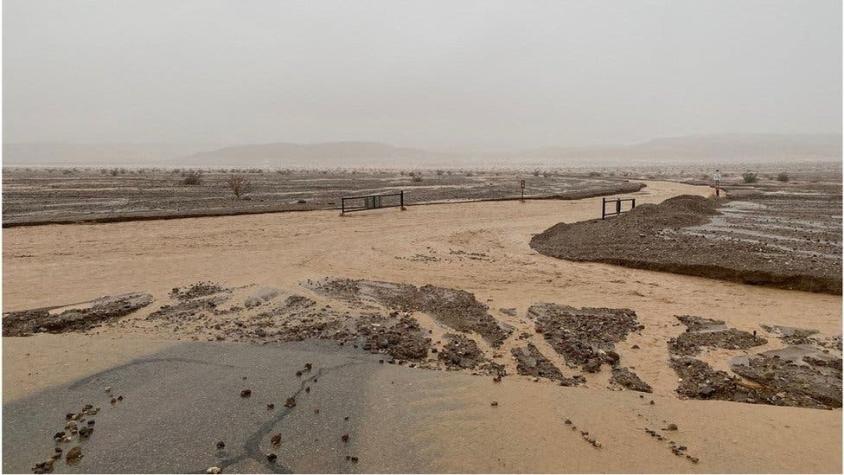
(276, 439)
(73, 455)
(221, 445)
(270, 406)
(307, 389)
(272, 457)
(345, 438)
(85, 432)
(652, 402)
(298, 374)
(291, 402)
(246, 393)
(671, 427)
(120, 398)
(214, 470)
(568, 421)
(494, 403)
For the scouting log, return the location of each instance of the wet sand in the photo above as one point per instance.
(479, 247)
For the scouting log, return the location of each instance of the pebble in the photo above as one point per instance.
(221, 445)
(214, 470)
(345, 438)
(73, 455)
(276, 439)
(494, 403)
(272, 457)
(246, 393)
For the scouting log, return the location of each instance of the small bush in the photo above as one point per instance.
(749, 177)
(192, 177)
(416, 179)
(440, 172)
(536, 173)
(594, 174)
(783, 176)
(239, 184)
(114, 172)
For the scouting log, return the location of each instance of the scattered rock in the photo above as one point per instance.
(630, 380)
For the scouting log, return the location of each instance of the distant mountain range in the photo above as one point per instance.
(736, 148)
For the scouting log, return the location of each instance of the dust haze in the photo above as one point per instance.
(434, 82)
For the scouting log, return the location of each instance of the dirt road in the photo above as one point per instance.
(479, 247)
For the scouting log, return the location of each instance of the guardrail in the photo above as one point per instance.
(350, 204)
(618, 206)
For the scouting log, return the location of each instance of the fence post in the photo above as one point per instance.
(618, 206)
(603, 208)
(342, 206)
(401, 193)
(634, 203)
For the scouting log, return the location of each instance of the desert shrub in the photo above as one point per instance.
(537, 173)
(416, 178)
(546, 174)
(103, 171)
(192, 177)
(114, 172)
(594, 173)
(783, 176)
(749, 177)
(239, 184)
(67, 171)
(440, 172)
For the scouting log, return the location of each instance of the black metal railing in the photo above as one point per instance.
(617, 207)
(350, 204)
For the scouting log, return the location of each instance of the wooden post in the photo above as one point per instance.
(603, 208)
(401, 198)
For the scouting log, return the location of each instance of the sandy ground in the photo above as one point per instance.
(54, 265)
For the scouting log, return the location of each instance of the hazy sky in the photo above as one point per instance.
(444, 74)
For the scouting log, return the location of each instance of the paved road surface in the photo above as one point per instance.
(180, 402)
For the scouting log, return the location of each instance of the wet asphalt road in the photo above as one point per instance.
(180, 402)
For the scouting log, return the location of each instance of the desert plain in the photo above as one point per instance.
(453, 336)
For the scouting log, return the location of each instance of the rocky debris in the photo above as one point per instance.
(214, 470)
(402, 340)
(246, 393)
(345, 438)
(460, 352)
(271, 458)
(270, 406)
(455, 308)
(291, 402)
(812, 382)
(221, 445)
(73, 455)
(584, 336)
(196, 290)
(530, 362)
(792, 335)
(510, 312)
(99, 311)
(704, 332)
(626, 378)
(275, 440)
(775, 381)
(698, 236)
(494, 404)
(678, 450)
(352, 459)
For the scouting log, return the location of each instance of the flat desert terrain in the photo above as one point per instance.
(434, 339)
